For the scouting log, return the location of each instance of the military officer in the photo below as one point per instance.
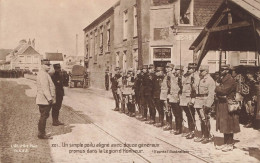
(114, 86)
(120, 90)
(204, 87)
(156, 95)
(129, 92)
(165, 90)
(137, 86)
(174, 99)
(58, 82)
(142, 99)
(149, 95)
(188, 93)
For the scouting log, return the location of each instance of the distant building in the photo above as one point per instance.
(24, 56)
(3, 54)
(70, 61)
(55, 58)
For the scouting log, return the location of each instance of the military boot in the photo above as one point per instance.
(199, 139)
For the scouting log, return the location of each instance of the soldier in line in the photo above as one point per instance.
(165, 89)
(226, 122)
(137, 86)
(158, 79)
(114, 86)
(144, 70)
(144, 91)
(149, 94)
(204, 99)
(129, 93)
(58, 82)
(188, 93)
(121, 90)
(174, 99)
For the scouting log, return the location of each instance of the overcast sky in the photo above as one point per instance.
(53, 23)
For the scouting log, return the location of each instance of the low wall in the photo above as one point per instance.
(29, 76)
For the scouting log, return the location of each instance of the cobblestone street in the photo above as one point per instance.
(89, 120)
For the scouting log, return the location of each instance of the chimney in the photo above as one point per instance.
(76, 44)
(33, 43)
(29, 42)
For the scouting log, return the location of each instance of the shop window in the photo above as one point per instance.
(161, 53)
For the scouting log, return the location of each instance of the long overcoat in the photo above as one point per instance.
(226, 122)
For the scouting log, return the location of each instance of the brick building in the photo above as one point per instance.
(168, 28)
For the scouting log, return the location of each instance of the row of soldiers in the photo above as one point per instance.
(12, 73)
(169, 91)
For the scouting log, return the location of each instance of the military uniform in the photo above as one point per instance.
(158, 79)
(174, 99)
(185, 98)
(128, 92)
(58, 82)
(204, 87)
(147, 94)
(120, 90)
(165, 90)
(114, 86)
(137, 85)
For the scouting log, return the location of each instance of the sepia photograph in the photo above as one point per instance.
(129, 81)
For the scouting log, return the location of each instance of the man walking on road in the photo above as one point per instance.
(58, 82)
(45, 97)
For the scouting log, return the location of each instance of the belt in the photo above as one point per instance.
(201, 95)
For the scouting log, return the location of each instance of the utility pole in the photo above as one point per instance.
(139, 33)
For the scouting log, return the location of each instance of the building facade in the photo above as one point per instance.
(168, 28)
(24, 56)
